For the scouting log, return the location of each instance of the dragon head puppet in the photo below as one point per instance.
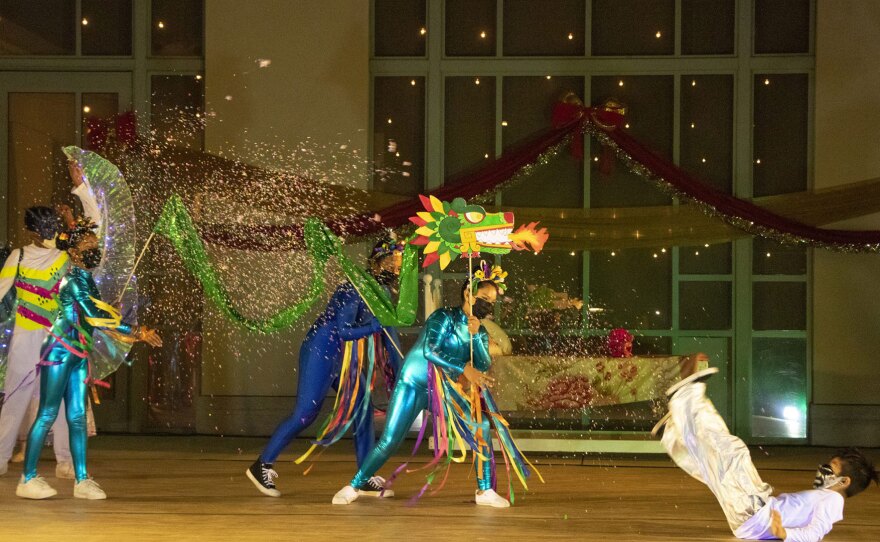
(457, 229)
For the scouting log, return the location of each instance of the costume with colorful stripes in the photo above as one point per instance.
(462, 420)
(64, 369)
(347, 348)
(35, 272)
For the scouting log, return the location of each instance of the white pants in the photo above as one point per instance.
(699, 442)
(22, 379)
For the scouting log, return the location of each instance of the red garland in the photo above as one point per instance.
(569, 120)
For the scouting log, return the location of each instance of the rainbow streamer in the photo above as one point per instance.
(457, 425)
(357, 357)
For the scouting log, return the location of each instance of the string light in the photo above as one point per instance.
(570, 36)
(703, 160)
(766, 81)
(626, 125)
(768, 254)
(87, 109)
(613, 253)
(571, 253)
(85, 22)
(161, 24)
(758, 161)
(620, 83)
(477, 81)
(696, 253)
(658, 34)
(693, 82)
(198, 77)
(693, 125)
(503, 123)
(483, 34)
(486, 155)
(706, 245)
(655, 255)
(389, 121)
(657, 313)
(423, 31)
(663, 250)
(595, 159)
(413, 82)
(548, 77)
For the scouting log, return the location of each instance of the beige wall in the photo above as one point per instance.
(313, 94)
(316, 85)
(846, 288)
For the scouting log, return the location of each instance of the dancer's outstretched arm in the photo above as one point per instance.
(349, 305)
(83, 190)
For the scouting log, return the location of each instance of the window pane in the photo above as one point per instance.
(649, 101)
(176, 114)
(633, 27)
(106, 27)
(779, 388)
(782, 26)
(399, 134)
(38, 27)
(99, 115)
(780, 134)
(707, 27)
(470, 123)
(707, 128)
(470, 27)
(704, 305)
(772, 258)
(527, 107)
(539, 286)
(556, 29)
(705, 260)
(400, 28)
(177, 27)
(633, 286)
(779, 306)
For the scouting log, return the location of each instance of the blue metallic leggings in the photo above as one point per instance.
(63, 381)
(407, 401)
(318, 369)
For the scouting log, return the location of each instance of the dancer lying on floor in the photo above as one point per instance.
(64, 365)
(428, 380)
(340, 328)
(696, 438)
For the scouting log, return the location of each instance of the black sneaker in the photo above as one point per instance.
(262, 475)
(375, 487)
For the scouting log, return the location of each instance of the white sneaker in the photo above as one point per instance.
(35, 488)
(88, 489)
(490, 498)
(657, 430)
(375, 487)
(346, 495)
(64, 469)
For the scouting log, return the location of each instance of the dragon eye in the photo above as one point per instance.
(474, 217)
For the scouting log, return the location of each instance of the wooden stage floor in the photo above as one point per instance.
(193, 488)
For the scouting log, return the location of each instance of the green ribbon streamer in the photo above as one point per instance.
(177, 226)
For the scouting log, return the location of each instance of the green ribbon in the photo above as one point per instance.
(177, 226)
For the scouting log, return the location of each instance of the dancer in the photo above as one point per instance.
(323, 355)
(36, 271)
(440, 357)
(64, 369)
(696, 438)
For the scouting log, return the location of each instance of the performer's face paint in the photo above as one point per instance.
(827, 475)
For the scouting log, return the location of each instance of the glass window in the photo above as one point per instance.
(772, 258)
(98, 118)
(399, 134)
(177, 110)
(649, 101)
(707, 128)
(779, 388)
(704, 305)
(708, 259)
(106, 27)
(707, 27)
(527, 108)
(782, 26)
(539, 287)
(38, 27)
(177, 27)
(470, 27)
(400, 28)
(557, 28)
(634, 287)
(469, 133)
(779, 306)
(633, 27)
(780, 133)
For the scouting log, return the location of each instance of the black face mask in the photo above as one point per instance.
(92, 258)
(386, 278)
(482, 308)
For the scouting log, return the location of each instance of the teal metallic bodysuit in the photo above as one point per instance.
(64, 371)
(445, 343)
